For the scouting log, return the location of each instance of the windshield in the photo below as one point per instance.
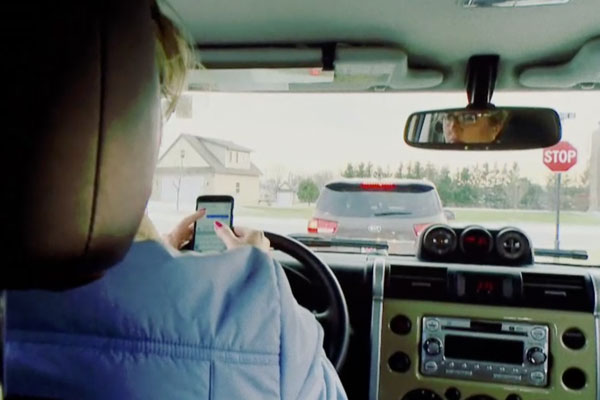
(276, 152)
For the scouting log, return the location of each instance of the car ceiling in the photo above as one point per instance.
(435, 34)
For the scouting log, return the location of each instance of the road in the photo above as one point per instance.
(572, 237)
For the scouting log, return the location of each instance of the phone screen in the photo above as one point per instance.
(205, 238)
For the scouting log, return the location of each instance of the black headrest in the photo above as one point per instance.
(81, 144)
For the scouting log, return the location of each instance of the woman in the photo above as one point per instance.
(167, 325)
(471, 127)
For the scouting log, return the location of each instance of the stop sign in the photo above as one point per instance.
(560, 157)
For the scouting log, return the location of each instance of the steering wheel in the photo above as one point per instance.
(335, 319)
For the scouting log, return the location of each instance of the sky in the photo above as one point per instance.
(309, 133)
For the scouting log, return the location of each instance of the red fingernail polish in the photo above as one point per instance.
(218, 224)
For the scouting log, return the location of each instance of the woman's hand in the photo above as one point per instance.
(242, 237)
(183, 232)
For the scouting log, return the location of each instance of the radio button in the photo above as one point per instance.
(538, 333)
(451, 364)
(432, 346)
(489, 368)
(459, 372)
(537, 376)
(508, 377)
(476, 367)
(515, 371)
(431, 366)
(536, 356)
(502, 369)
(464, 365)
(432, 325)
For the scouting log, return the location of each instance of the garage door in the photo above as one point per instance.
(191, 187)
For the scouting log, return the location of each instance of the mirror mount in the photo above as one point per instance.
(482, 71)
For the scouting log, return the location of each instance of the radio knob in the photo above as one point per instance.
(433, 346)
(536, 356)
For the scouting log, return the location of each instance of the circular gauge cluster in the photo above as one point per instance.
(440, 240)
(512, 244)
(475, 243)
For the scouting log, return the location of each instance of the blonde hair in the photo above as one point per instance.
(174, 56)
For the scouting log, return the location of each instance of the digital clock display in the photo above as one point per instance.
(484, 287)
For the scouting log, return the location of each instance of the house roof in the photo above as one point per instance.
(199, 145)
(223, 143)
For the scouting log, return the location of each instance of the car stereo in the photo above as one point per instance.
(490, 351)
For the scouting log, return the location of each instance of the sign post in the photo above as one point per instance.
(559, 158)
(557, 237)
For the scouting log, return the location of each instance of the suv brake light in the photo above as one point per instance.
(317, 225)
(378, 186)
(418, 228)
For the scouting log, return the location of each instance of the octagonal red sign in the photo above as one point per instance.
(560, 157)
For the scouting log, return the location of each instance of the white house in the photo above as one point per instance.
(194, 166)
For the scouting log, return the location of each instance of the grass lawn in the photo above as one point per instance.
(469, 215)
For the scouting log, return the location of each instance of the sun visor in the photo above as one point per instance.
(583, 71)
(309, 69)
(260, 57)
(378, 68)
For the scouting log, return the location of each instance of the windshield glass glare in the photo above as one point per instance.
(276, 152)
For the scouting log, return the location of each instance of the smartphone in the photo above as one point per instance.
(218, 208)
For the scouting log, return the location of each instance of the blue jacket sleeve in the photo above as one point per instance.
(306, 372)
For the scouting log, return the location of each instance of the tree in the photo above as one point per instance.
(381, 173)
(361, 171)
(445, 186)
(533, 196)
(430, 172)
(369, 170)
(308, 192)
(417, 170)
(399, 172)
(349, 172)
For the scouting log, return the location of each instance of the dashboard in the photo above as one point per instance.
(468, 323)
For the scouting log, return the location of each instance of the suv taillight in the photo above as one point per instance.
(418, 228)
(317, 225)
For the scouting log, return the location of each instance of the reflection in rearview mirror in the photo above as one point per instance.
(490, 129)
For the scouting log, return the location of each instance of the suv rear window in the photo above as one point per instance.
(404, 201)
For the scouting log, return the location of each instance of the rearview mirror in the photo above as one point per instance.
(500, 128)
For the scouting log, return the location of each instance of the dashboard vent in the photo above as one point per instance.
(562, 292)
(420, 283)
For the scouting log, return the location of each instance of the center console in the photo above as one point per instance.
(453, 333)
(484, 350)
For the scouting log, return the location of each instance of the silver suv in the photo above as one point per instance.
(396, 209)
